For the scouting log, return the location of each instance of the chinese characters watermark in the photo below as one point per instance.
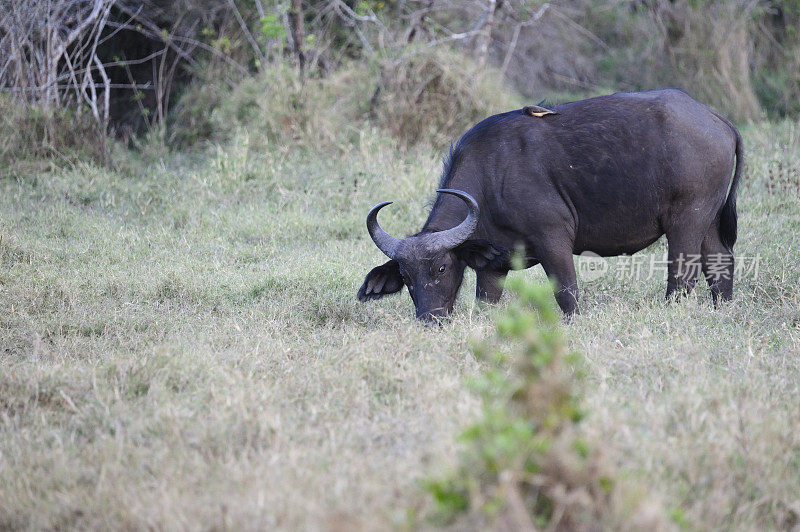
(591, 267)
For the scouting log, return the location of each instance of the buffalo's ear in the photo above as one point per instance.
(381, 281)
(484, 255)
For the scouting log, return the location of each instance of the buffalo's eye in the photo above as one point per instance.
(442, 268)
(411, 288)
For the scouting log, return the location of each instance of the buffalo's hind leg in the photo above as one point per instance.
(489, 285)
(718, 266)
(684, 259)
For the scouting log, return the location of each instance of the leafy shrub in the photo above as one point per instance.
(525, 464)
(434, 95)
(281, 107)
(738, 56)
(426, 96)
(190, 122)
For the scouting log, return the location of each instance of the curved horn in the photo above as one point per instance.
(385, 242)
(451, 238)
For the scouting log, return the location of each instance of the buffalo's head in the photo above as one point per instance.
(431, 265)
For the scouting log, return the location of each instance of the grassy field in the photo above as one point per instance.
(181, 347)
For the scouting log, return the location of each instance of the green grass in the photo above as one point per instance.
(180, 346)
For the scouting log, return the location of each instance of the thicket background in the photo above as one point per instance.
(73, 71)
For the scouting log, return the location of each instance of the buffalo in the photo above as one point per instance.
(608, 175)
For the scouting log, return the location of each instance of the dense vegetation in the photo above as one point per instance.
(133, 67)
(180, 343)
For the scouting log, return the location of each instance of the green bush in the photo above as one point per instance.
(525, 462)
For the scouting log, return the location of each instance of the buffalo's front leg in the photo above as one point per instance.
(490, 285)
(561, 268)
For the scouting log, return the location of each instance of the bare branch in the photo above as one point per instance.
(247, 33)
(98, 7)
(455, 37)
(513, 45)
(150, 30)
(483, 49)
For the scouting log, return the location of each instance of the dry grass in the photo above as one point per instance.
(31, 136)
(180, 347)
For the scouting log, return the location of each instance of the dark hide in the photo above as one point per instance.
(608, 175)
(483, 255)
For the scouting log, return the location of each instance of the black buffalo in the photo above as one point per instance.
(608, 175)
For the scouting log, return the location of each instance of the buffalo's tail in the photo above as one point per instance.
(727, 214)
